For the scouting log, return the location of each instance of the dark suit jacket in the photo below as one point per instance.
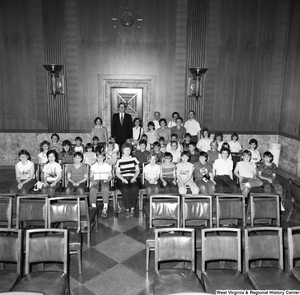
(121, 132)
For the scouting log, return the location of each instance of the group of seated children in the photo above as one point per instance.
(202, 167)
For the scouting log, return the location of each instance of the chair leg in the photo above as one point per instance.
(140, 201)
(79, 261)
(89, 239)
(290, 215)
(147, 257)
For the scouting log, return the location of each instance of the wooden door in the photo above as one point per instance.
(132, 97)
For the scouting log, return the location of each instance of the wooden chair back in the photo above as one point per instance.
(65, 210)
(46, 245)
(230, 210)
(177, 245)
(263, 243)
(164, 211)
(196, 211)
(219, 244)
(293, 235)
(11, 247)
(6, 209)
(32, 209)
(264, 209)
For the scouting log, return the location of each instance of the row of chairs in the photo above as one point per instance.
(42, 246)
(196, 211)
(221, 245)
(65, 211)
(32, 210)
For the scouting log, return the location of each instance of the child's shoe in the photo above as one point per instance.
(281, 207)
(119, 208)
(127, 213)
(132, 212)
(104, 213)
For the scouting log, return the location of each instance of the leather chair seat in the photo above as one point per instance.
(49, 282)
(296, 273)
(225, 279)
(270, 278)
(168, 281)
(7, 280)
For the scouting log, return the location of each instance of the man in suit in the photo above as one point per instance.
(121, 127)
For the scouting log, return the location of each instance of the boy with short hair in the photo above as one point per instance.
(162, 144)
(78, 147)
(174, 137)
(179, 130)
(194, 152)
(174, 151)
(142, 154)
(168, 174)
(101, 173)
(213, 153)
(185, 175)
(203, 175)
(222, 172)
(152, 173)
(156, 150)
(148, 146)
(186, 141)
(267, 174)
(246, 172)
(97, 147)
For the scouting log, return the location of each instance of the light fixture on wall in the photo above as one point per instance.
(56, 80)
(195, 82)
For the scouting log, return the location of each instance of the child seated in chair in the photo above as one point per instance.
(89, 156)
(174, 151)
(203, 175)
(24, 174)
(66, 155)
(185, 175)
(77, 175)
(101, 173)
(246, 172)
(148, 145)
(163, 146)
(222, 172)
(194, 152)
(253, 144)
(52, 174)
(78, 146)
(142, 154)
(186, 141)
(152, 173)
(267, 174)
(156, 150)
(213, 153)
(42, 156)
(174, 137)
(168, 174)
(111, 154)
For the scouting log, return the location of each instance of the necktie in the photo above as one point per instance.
(122, 119)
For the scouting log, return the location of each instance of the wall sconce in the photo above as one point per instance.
(56, 81)
(195, 82)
